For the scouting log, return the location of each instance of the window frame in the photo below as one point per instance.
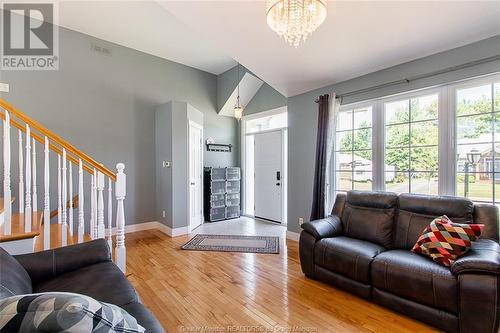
(447, 131)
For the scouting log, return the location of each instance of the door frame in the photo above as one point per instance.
(192, 123)
(243, 135)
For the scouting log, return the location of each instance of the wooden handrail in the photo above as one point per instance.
(55, 212)
(56, 138)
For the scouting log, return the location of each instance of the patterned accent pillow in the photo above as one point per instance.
(63, 312)
(444, 241)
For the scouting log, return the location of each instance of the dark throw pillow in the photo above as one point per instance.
(63, 312)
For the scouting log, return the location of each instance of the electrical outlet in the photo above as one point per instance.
(4, 87)
(301, 220)
(163, 214)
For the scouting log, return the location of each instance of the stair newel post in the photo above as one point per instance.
(70, 206)
(46, 197)
(81, 221)
(59, 206)
(7, 227)
(34, 202)
(110, 215)
(120, 193)
(27, 202)
(64, 236)
(21, 172)
(100, 205)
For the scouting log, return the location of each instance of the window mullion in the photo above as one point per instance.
(378, 141)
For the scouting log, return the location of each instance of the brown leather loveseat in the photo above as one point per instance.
(364, 247)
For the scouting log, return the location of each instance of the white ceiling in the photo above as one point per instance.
(358, 37)
(145, 26)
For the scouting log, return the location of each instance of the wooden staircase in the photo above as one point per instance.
(29, 228)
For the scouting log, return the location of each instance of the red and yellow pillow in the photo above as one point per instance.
(444, 241)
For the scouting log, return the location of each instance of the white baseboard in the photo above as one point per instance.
(292, 235)
(172, 232)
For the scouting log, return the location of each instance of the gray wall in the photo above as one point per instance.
(302, 111)
(105, 105)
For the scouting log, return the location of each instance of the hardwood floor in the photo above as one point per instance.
(243, 292)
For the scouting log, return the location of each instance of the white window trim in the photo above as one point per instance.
(446, 127)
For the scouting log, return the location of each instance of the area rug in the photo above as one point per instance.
(234, 243)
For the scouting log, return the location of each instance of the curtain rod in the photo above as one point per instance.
(422, 76)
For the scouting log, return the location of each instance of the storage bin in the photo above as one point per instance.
(233, 186)
(232, 212)
(232, 199)
(218, 174)
(217, 200)
(218, 187)
(233, 173)
(217, 214)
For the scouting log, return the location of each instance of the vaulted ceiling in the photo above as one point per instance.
(358, 37)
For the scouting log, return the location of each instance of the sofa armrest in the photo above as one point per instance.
(483, 257)
(330, 226)
(48, 264)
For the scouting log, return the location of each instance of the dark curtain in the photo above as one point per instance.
(319, 191)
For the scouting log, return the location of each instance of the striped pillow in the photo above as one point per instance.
(63, 312)
(444, 241)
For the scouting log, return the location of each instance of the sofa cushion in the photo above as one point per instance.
(417, 278)
(104, 281)
(347, 256)
(14, 279)
(416, 212)
(370, 216)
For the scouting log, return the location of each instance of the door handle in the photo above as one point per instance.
(278, 184)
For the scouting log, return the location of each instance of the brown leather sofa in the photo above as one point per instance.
(84, 268)
(364, 248)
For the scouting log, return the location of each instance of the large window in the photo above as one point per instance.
(353, 151)
(411, 145)
(444, 140)
(477, 110)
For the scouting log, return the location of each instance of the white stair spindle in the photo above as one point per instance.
(34, 202)
(7, 222)
(64, 236)
(27, 203)
(81, 221)
(94, 210)
(46, 198)
(120, 193)
(100, 205)
(21, 172)
(59, 206)
(92, 219)
(70, 190)
(110, 215)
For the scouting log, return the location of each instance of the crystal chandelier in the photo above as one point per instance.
(295, 20)
(238, 109)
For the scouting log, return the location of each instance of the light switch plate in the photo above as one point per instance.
(4, 87)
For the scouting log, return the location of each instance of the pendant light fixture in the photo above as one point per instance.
(238, 109)
(295, 20)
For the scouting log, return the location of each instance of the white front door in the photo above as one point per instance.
(268, 169)
(195, 175)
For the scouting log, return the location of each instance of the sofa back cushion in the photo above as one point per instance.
(417, 211)
(14, 280)
(370, 216)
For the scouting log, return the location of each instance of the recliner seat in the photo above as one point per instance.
(364, 248)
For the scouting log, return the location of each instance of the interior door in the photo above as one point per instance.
(268, 179)
(195, 175)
